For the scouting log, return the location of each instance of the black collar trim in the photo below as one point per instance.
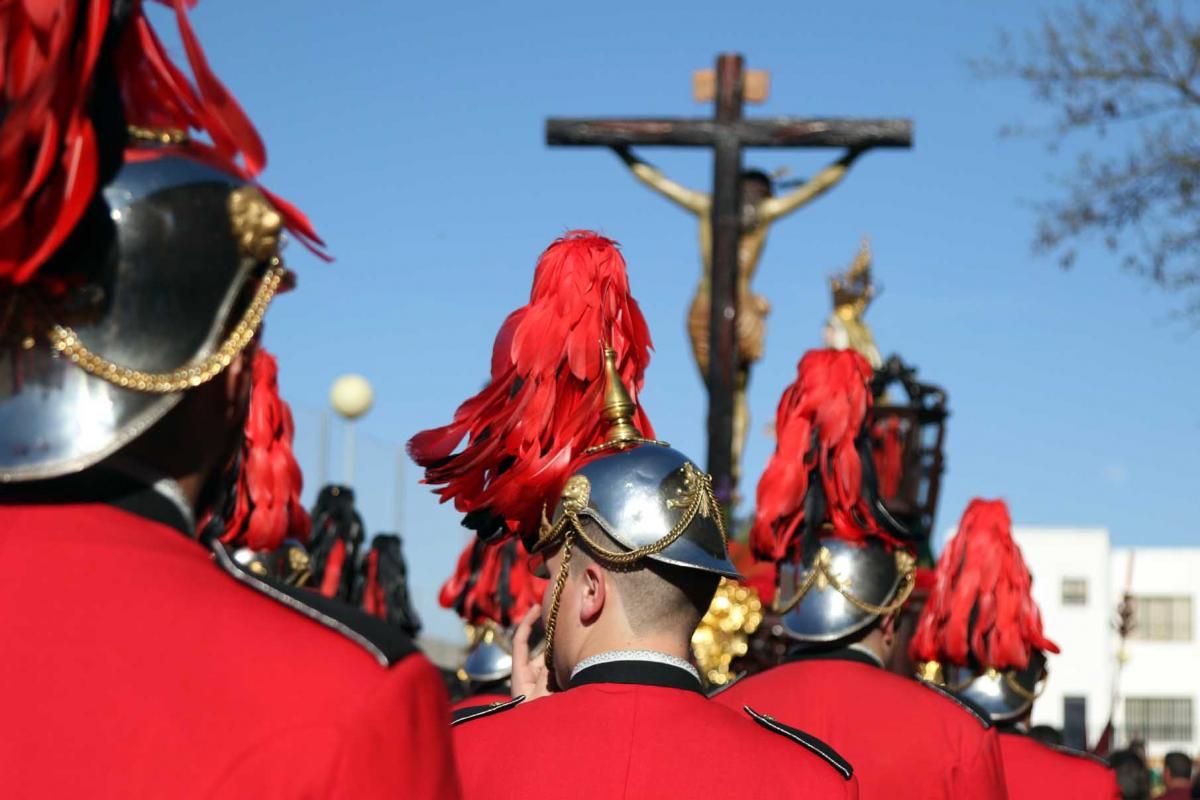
(641, 673)
(807, 740)
(837, 654)
(732, 681)
(1071, 751)
(386, 643)
(475, 712)
(105, 487)
(1058, 748)
(979, 713)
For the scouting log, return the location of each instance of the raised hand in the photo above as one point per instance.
(530, 676)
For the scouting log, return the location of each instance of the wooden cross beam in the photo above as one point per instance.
(777, 132)
(727, 133)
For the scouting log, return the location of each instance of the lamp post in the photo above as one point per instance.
(908, 436)
(908, 430)
(351, 397)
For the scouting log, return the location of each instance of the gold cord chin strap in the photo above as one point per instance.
(66, 344)
(560, 582)
(822, 575)
(1010, 677)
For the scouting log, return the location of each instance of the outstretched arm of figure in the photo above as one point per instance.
(693, 201)
(775, 207)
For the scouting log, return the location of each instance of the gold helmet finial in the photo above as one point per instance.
(618, 405)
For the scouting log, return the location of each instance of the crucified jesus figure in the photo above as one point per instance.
(760, 208)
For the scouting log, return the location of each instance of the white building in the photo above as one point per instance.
(1078, 581)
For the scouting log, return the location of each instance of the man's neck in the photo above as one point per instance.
(871, 652)
(873, 644)
(183, 489)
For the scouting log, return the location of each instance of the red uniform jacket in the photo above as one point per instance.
(638, 729)
(137, 664)
(905, 739)
(1035, 770)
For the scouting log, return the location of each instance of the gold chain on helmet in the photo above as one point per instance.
(66, 344)
(933, 671)
(700, 500)
(822, 575)
(1010, 678)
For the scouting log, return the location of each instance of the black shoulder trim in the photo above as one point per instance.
(386, 643)
(813, 744)
(475, 712)
(970, 707)
(1071, 751)
(714, 692)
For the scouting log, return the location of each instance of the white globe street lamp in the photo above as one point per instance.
(351, 397)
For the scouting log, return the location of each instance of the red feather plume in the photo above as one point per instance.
(331, 579)
(48, 153)
(492, 582)
(541, 408)
(267, 507)
(818, 420)
(888, 450)
(374, 602)
(49, 157)
(981, 611)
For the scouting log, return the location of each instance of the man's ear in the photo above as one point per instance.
(887, 627)
(593, 590)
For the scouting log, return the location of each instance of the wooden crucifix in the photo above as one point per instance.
(731, 233)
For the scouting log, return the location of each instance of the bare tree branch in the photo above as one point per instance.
(1132, 64)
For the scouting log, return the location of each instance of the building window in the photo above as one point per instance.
(1074, 591)
(1075, 722)
(1162, 619)
(1158, 719)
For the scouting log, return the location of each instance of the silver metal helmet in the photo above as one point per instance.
(837, 587)
(1006, 695)
(490, 652)
(158, 276)
(650, 499)
(490, 655)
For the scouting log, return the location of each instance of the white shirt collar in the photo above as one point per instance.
(635, 655)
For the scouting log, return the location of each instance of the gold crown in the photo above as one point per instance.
(854, 285)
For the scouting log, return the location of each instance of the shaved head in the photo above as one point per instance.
(656, 597)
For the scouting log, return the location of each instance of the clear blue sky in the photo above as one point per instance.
(412, 134)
